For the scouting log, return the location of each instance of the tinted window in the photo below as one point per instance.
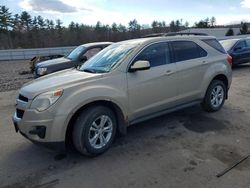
(156, 54)
(186, 50)
(215, 44)
(248, 43)
(240, 44)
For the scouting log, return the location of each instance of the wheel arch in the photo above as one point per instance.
(224, 79)
(121, 119)
(220, 76)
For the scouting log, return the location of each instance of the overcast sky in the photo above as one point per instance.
(122, 11)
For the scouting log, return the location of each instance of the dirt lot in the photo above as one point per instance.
(182, 149)
(13, 74)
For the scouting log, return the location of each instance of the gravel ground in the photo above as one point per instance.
(14, 74)
(182, 149)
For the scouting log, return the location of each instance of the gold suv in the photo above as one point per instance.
(126, 83)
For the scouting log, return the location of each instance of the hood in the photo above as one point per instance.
(53, 62)
(58, 80)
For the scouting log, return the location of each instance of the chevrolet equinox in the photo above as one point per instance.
(126, 83)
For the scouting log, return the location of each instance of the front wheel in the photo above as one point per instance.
(94, 130)
(215, 96)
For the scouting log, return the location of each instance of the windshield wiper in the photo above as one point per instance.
(90, 70)
(67, 57)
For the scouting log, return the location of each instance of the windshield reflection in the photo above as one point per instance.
(105, 60)
(75, 53)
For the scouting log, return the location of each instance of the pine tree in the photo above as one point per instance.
(26, 20)
(5, 18)
(244, 28)
(230, 32)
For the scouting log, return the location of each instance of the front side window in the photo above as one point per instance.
(248, 43)
(186, 50)
(240, 45)
(156, 54)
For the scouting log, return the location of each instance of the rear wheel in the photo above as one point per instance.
(94, 130)
(215, 96)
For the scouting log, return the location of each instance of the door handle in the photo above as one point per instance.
(169, 72)
(204, 62)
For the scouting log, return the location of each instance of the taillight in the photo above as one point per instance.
(230, 60)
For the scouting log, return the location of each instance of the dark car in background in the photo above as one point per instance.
(238, 49)
(77, 57)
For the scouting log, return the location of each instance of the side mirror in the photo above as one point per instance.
(139, 66)
(83, 58)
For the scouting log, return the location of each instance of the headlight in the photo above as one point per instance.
(41, 71)
(45, 100)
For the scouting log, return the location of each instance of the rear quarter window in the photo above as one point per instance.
(186, 50)
(215, 44)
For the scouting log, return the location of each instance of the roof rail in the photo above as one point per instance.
(154, 35)
(185, 33)
(173, 34)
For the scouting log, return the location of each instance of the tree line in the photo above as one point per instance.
(243, 30)
(24, 31)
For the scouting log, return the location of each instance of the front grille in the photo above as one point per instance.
(19, 113)
(23, 98)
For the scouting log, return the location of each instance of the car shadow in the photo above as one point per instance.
(240, 67)
(39, 162)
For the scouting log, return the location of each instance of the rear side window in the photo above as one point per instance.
(186, 50)
(215, 44)
(156, 54)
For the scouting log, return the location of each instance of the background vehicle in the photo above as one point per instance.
(238, 49)
(38, 59)
(78, 56)
(126, 83)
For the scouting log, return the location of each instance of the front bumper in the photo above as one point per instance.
(41, 128)
(57, 146)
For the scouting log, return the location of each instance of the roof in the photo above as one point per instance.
(174, 34)
(163, 38)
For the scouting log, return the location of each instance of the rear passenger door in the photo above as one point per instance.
(191, 65)
(151, 91)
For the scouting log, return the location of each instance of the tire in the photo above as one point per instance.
(97, 123)
(215, 96)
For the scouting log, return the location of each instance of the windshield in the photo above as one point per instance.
(75, 53)
(228, 44)
(105, 60)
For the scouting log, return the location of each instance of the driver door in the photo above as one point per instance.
(151, 91)
(240, 52)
